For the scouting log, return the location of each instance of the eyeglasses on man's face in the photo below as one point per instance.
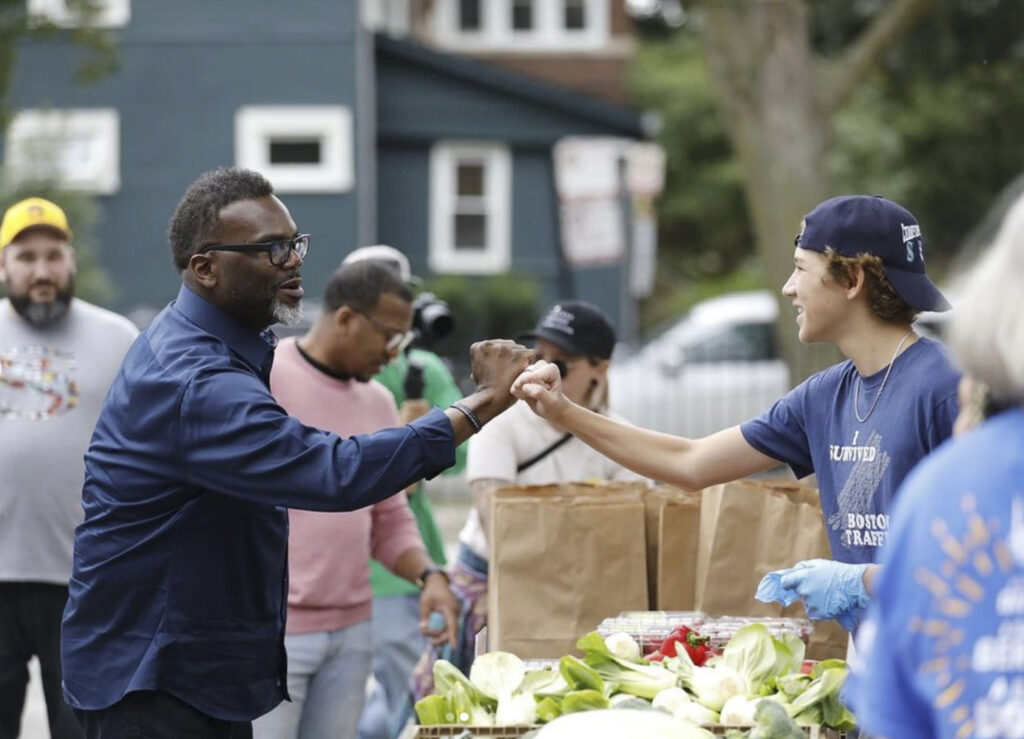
(279, 251)
(397, 341)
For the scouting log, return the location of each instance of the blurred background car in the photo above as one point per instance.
(715, 367)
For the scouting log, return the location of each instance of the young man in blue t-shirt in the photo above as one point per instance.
(858, 282)
(942, 647)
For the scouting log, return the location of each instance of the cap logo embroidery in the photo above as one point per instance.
(559, 320)
(35, 211)
(909, 234)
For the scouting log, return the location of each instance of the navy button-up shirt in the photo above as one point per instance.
(180, 567)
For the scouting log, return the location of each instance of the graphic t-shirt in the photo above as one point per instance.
(859, 466)
(942, 648)
(52, 384)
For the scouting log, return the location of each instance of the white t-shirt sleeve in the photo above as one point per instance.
(491, 453)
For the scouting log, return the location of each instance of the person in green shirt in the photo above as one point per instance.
(398, 643)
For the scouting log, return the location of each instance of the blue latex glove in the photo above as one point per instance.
(829, 590)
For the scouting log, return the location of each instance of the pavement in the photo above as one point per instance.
(33, 720)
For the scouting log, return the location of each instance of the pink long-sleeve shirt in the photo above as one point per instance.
(328, 573)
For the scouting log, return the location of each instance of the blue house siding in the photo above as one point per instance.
(186, 67)
(424, 97)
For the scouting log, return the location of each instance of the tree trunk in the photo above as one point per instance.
(764, 71)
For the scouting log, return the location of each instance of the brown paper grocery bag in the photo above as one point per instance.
(672, 530)
(749, 528)
(563, 558)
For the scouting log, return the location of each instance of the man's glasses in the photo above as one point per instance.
(397, 340)
(279, 251)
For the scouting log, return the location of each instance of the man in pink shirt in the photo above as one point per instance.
(325, 379)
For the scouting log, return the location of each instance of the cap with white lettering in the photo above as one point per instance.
(871, 224)
(577, 327)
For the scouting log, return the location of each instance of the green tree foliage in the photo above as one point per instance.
(100, 57)
(935, 125)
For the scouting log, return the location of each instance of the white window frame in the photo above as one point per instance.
(549, 34)
(496, 257)
(386, 16)
(257, 125)
(111, 13)
(35, 139)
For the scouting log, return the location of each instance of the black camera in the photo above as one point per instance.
(432, 320)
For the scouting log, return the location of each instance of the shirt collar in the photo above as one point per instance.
(252, 346)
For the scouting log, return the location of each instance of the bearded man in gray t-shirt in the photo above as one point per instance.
(58, 356)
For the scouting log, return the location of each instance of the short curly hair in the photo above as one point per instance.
(883, 300)
(198, 212)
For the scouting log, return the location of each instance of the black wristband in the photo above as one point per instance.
(473, 420)
(421, 581)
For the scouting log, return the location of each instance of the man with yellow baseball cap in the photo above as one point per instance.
(40, 277)
(58, 357)
(33, 213)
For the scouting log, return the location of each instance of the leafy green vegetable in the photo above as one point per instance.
(818, 690)
(579, 674)
(772, 722)
(793, 685)
(584, 700)
(753, 653)
(635, 678)
(497, 674)
(434, 709)
(447, 676)
(548, 709)
(544, 682)
(467, 709)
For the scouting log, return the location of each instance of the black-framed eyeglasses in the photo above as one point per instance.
(396, 340)
(279, 251)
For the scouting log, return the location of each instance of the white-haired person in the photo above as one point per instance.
(942, 649)
(858, 282)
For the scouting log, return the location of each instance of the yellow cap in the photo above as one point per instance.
(32, 212)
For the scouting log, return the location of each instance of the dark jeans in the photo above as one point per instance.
(30, 615)
(153, 714)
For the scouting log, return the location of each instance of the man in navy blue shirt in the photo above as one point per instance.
(175, 620)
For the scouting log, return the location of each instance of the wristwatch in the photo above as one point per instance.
(421, 581)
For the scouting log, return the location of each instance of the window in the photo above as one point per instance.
(745, 342)
(79, 148)
(299, 148)
(575, 15)
(386, 16)
(522, 15)
(522, 25)
(469, 16)
(70, 14)
(470, 206)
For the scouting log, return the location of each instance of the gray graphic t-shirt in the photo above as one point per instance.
(52, 385)
(859, 466)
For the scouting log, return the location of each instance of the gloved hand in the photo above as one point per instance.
(828, 589)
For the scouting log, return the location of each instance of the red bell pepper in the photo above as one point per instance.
(696, 646)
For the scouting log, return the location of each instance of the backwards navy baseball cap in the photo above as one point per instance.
(870, 224)
(576, 327)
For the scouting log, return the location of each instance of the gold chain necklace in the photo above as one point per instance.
(856, 387)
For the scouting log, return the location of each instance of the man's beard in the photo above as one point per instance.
(43, 315)
(284, 314)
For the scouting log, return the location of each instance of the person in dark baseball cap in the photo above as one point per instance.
(860, 426)
(859, 224)
(577, 327)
